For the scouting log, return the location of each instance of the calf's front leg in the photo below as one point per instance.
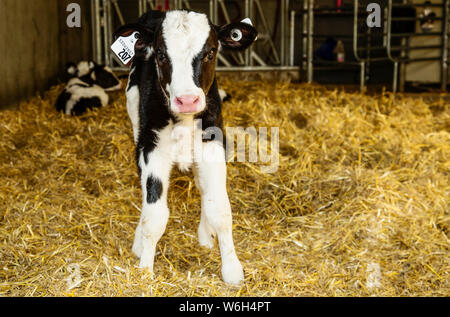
(216, 209)
(155, 175)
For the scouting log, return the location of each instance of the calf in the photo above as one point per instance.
(173, 83)
(87, 87)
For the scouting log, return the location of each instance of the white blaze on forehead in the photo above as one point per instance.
(185, 34)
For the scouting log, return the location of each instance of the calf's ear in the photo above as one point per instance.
(71, 69)
(237, 36)
(145, 37)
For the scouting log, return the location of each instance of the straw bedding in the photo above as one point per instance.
(358, 207)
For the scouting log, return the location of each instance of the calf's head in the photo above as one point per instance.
(184, 46)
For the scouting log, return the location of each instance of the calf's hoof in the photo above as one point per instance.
(233, 273)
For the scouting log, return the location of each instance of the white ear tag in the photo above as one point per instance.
(247, 21)
(123, 47)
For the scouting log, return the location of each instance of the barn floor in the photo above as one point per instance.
(358, 207)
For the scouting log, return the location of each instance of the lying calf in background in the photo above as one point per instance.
(87, 88)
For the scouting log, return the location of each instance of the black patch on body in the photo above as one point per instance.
(133, 80)
(154, 112)
(105, 78)
(197, 67)
(62, 100)
(154, 189)
(84, 104)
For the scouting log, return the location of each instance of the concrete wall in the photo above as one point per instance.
(35, 44)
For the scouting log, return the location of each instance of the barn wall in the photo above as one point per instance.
(36, 44)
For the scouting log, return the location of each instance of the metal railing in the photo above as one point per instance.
(399, 60)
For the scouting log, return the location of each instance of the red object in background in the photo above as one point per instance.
(339, 4)
(158, 5)
(163, 5)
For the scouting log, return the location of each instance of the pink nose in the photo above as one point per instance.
(187, 103)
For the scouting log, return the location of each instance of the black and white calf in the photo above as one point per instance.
(172, 95)
(87, 87)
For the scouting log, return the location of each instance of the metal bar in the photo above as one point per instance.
(445, 46)
(283, 33)
(310, 40)
(347, 9)
(216, 12)
(342, 36)
(260, 12)
(305, 36)
(416, 34)
(94, 28)
(414, 19)
(395, 77)
(402, 72)
(224, 60)
(118, 12)
(106, 14)
(419, 59)
(108, 33)
(388, 45)
(98, 33)
(141, 7)
(248, 13)
(355, 31)
(362, 78)
(211, 11)
(398, 48)
(225, 11)
(336, 63)
(292, 40)
(186, 4)
(417, 5)
(258, 59)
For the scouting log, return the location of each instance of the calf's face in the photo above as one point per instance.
(185, 46)
(185, 51)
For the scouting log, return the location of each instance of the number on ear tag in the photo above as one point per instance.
(123, 47)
